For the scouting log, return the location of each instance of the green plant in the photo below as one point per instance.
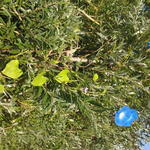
(48, 100)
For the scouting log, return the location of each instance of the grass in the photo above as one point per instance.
(47, 36)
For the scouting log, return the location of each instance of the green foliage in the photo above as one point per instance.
(42, 24)
(1, 88)
(95, 77)
(39, 80)
(11, 70)
(62, 77)
(36, 36)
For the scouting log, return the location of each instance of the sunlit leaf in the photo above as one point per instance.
(55, 62)
(95, 77)
(39, 80)
(62, 77)
(1, 88)
(12, 69)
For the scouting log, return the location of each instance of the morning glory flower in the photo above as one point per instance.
(125, 116)
(148, 44)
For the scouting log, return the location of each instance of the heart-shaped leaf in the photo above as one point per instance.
(12, 69)
(39, 80)
(1, 88)
(95, 77)
(62, 77)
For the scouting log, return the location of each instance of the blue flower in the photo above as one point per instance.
(148, 44)
(125, 116)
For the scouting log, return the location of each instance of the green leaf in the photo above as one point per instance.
(55, 62)
(14, 51)
(1, 88)
(39, 80)
(95, 77)
(11, 70)
(62, 77)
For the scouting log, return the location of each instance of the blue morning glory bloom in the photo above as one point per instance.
(126, 116)
(148, 44)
